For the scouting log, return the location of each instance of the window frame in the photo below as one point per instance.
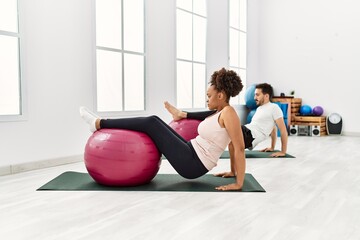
(192, 61)
(122, 52)
(239, 100)
(22, 116)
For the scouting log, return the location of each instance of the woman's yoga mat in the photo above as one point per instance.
(76, 181)
(255, 154)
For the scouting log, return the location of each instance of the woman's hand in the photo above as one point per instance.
(225, 174)
(229, 187)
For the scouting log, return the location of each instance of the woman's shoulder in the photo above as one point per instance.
(229, 110)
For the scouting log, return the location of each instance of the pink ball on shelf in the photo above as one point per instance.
(187, 128)
(117, 157)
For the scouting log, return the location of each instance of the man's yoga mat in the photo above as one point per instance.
(250, 154)
(255, 154)
(76, 181)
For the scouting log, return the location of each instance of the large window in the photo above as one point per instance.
(237, 42)
(120, 55)
(191, 81)
(10, 80)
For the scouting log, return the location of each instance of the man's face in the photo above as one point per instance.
(259, 97)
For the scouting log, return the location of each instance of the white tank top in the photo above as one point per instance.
(211, 141)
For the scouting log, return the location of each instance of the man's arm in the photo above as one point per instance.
(273, 136)
(283, 136)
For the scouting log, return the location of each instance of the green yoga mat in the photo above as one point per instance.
(255, 154)
(250, 154)
(76, 181)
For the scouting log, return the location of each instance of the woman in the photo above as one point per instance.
(198, 156)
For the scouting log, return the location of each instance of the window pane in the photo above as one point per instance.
(8, 15)
(184, 4)
(234, 13)
(9, 76)
(240, 99)
(200, 7)
(109, 75)
(242, 74)
(184, 84)
(108, 23)
(184, 35)
(134, 25)
(199, 39)
(234, 47)
(243, 15)
(242, 50)
(134, 82)
(199, 85)
(235, 100)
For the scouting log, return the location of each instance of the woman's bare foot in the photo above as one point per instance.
(176, 113)
(90, 118)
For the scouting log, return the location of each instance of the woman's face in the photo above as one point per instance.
(213, 98)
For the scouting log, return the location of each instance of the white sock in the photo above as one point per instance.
(89, 117)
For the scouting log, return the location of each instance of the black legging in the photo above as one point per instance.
(248, 138)
(179, 153)
(200, 115)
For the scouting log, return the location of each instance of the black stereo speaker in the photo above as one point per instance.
(315, 131)
(293, 130)
(304, 130)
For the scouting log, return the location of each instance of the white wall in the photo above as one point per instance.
(311, 47)
(58, 68)
(292, 44)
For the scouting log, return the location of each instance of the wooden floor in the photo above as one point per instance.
(313, 196)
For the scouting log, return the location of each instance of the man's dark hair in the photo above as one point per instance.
(266, 89)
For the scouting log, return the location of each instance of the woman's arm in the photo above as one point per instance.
(230, 120)
(232, 164)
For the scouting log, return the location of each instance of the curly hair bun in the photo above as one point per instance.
(227, 81)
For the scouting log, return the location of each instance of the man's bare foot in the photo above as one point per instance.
(175, 113)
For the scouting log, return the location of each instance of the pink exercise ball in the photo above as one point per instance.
(187, 128)
(117, 157)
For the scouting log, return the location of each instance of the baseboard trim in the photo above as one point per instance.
(5, 170)
(24, 167)
(351, 134)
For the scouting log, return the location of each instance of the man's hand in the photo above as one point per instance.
(278, 154)
(225, 174)
(229, 187)
(267, 150)
(275, 154)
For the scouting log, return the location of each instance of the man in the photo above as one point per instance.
(268, 115)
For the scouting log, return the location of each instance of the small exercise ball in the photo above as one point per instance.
(249, 97)
(117, 157)
(187, 128)
(250, 116)
(318, 111)
(305, 110)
